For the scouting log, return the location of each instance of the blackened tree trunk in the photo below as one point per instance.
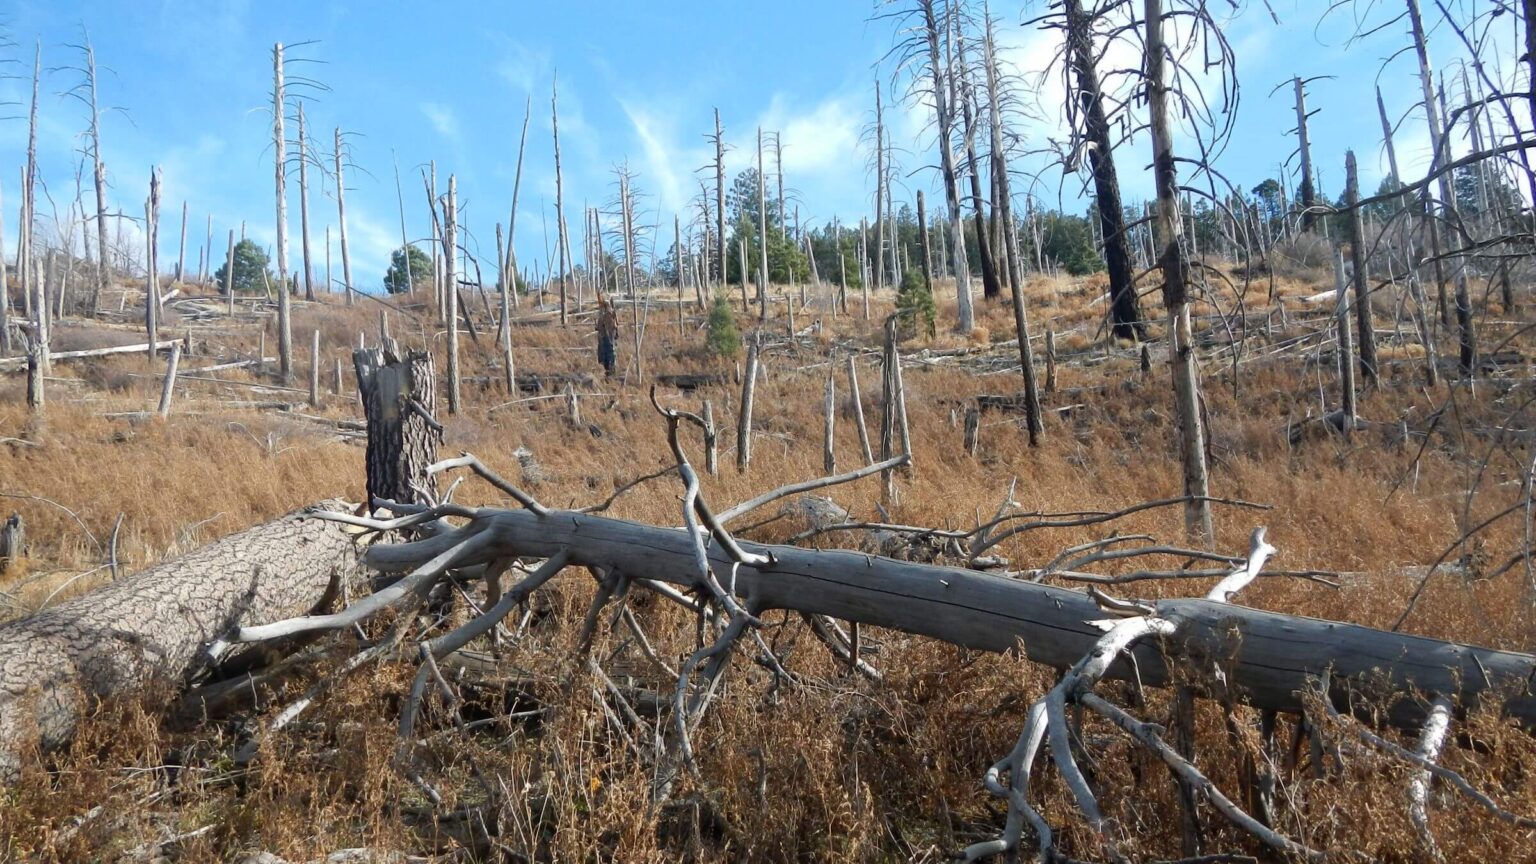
(1125, 309)
(399, 404)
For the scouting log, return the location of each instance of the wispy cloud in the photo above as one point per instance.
(443, 120)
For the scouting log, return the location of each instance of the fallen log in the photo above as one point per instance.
(152, 626)
(1266, 657)
(13, 364)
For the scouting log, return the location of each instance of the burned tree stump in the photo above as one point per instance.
(399, 404)
(13, 539)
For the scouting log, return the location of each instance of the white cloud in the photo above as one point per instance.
(443, 120)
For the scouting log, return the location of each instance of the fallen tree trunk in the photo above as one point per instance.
(14, 364)
(154, 625)
(1266, 657)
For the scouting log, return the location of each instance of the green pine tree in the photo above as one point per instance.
(914, 305)
(723, 339)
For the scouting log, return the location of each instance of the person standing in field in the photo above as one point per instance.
(607, 334)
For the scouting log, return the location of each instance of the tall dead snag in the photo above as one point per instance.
(1346, 358)
(1002, 209)
(229, 273)
(990, 285)
(562, 247)
(451, 289)
(1034, 419)
(5, 288)
(1367, 340)
(399, 401)
(1168, 230)
(153, 626)
(720, 259)
(280, 143)
(151, 277)
(309, 271)
(1125, 308)
(744, 419)
(880, 181)
(341, 218)
(926, 47)
(762, 234)
(86, 92)
(1307, 194)
(181, 254)
(1439, 143)
(168, 384)
(26, 255)
(509, 260)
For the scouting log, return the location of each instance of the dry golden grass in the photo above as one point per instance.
(836, 769)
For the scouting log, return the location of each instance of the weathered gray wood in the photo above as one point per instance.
(152, 626)
(1168, 228)
(829, 428)
(744, 419)
(1367, 340)
(719, 140)
(562, 249)
(945, 119)
(280, 144)
(229, 273)
(168, 387)
(341, 219)
(13, 364)
(972, 430)
(151, 266)
(858, 407)
(309, 270)
(36, 363)
(450, 292)
(1306, 192)
(181, 253)
(314, 370)
(762, 234)
(1266, 657)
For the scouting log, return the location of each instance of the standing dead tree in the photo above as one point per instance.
(341, 216)
(151, 266)
(921, 27)
(562, 243)
(451, 291)
(1093, 144)
(965, 89)
(1440, 145)
(85, 92)
(1033, 417)
(280, 158)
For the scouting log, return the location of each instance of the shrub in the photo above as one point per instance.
(914, 304)
(723, 339)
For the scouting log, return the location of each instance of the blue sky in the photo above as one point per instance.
(638, 83)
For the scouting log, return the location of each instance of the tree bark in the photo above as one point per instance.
(402, 440)
(284, 312)
(56, 664)
(309, 271)
(966, 320)
(1125, 308)
(1170, 259)
(1307, 192)
(1367, 340)
(451, 290)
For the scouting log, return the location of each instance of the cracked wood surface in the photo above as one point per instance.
(154, 624)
